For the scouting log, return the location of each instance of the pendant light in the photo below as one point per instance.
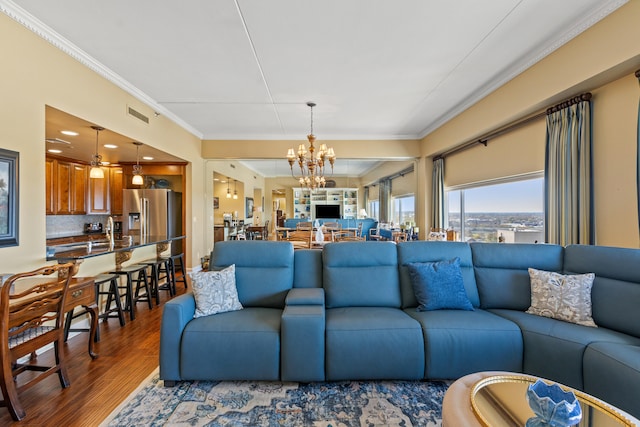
(96, 161)
(137, 169)
(228, 191)
(235, 192)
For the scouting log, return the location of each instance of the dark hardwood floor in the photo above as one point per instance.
(127, 355)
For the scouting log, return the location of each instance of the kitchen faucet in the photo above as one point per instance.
(110, 231)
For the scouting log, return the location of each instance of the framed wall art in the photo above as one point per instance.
(248, 207)
(9, 197)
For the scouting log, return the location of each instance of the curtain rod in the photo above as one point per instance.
(515, 125)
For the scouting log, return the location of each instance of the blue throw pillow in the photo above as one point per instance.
(439, 285)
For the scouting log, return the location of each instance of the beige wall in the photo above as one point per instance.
(35, 74)
(277, 149)
(600, 60)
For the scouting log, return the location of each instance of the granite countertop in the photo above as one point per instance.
(82, 250)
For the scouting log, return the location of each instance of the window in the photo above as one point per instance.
(403, 209)
(509, 211)
(374, 209)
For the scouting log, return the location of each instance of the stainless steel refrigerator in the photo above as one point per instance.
(153, 213)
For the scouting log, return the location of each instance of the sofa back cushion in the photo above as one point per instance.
(615, 293)
(361, 274)
(264, 270)
(307, 268)
(426, 251)
(502, 272)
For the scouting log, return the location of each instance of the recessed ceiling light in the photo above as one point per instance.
(110, 146)
(147, 158)
(69, 132)
(54, 151)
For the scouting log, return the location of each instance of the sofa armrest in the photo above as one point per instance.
(175, 316)
(305, 296)
(302, 336)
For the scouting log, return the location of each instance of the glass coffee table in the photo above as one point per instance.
(494, 399)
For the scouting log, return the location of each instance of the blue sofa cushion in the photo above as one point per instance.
(616, 288)
(438, 285)
(307, 271)
(458, 343)
(554, 348)
(372, 343)
(502, 271)
(237, 345)
(363, 274)
(612, 373)
(215, 291)
(264, 270)
(424, 251)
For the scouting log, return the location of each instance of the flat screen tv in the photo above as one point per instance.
(328, 211)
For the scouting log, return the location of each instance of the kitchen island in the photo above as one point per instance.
(97, 253)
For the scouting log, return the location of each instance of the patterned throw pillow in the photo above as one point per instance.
(562, 297)
(439, 285)
(215, 291)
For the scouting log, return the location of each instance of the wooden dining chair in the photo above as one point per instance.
(304, 225)
(301, 239)
(32, 316)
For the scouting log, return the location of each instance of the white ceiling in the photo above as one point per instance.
(244, 69)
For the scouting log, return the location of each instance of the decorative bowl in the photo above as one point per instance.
(552, 405)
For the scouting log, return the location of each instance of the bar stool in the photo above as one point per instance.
(112, 296)
(159, 266)
(177, 264)
(135, 273)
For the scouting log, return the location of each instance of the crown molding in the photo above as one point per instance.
(38, 27)
(605, 9)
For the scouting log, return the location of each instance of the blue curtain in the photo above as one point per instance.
(437, 194)
(569, 209)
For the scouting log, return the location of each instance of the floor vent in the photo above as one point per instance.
(138, 115)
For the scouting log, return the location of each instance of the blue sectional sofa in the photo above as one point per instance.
(348, 311)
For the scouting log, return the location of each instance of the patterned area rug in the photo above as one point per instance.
(248, 403)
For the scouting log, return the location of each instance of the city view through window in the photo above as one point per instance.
(509, 212)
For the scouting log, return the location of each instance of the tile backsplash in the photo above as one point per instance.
(70, 225)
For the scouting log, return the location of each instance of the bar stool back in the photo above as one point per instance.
(177, 265)
(135, 273)
(113, 296)
(160, 270)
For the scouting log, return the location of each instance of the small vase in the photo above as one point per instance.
(553, 406)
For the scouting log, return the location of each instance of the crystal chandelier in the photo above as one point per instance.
(311, 166)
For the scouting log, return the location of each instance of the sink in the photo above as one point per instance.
(118, 243)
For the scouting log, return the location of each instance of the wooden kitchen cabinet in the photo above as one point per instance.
(69, 188)
(116, 176)
(99, 195)
(50, 189)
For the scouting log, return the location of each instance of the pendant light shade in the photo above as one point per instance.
(137, 169)
(96, 161)
(235, 192)
(228, 191)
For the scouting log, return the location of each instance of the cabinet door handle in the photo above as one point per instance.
(76, 294)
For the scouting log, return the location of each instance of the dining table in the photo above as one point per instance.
(252, 230)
